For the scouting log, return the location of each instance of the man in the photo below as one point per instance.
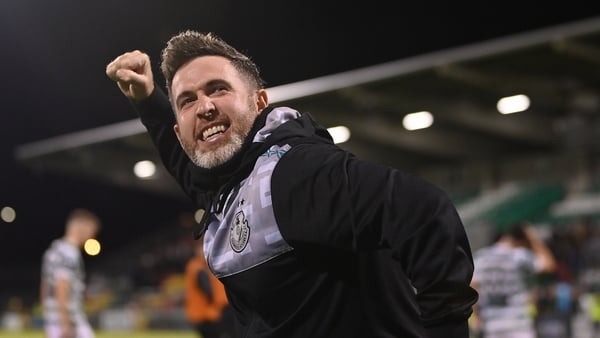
(308, 240)
(63, 279)
(503, 277)
(587, 237)
(206, 305)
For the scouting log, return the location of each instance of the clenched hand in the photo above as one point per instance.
(133, 74)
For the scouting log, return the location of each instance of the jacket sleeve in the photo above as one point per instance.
(157, 116)
(324, 195)
(203, 283)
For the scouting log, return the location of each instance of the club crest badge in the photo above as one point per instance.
(239, 232)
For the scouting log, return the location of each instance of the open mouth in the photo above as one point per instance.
(213, 132)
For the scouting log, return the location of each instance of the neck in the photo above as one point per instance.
(507, 241)
(71, 240)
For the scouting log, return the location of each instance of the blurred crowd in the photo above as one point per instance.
(575, 287)
(149, 292)
(565, 303)
(140, 288)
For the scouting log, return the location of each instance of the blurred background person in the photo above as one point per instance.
(503, 276)
(589, 280)
(63, 278)
(206, 303)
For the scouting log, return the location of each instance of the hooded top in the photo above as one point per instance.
(311, 241)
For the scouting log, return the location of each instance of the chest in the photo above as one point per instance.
(245, 234)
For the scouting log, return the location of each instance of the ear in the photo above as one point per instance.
(262, 99)
(177, 131)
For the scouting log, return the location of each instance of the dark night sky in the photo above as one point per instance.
(53, 56)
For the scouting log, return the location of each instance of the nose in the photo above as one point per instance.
(206, 109)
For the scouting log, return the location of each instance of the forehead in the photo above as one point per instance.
(87, 222)
(203, 69)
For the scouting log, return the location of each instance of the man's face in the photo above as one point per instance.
(85, 229)
(215, 108)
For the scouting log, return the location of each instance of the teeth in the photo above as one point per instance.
(212, 131)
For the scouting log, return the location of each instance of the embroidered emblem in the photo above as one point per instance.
(239, 232)
(277, 152)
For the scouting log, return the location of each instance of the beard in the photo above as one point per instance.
(213, 158)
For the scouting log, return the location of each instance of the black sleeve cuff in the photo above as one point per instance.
(156, 106)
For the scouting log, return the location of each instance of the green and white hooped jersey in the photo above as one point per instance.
(503, 275)
(63, 260)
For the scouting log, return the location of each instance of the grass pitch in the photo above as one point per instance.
(109, 334)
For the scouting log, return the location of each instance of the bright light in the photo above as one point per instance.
(198, 215)
(8, 214)
(340, 134)
(91, 247)
(513, 104)
(418, 120)
(144, 169)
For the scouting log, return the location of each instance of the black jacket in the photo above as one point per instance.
(376, 252)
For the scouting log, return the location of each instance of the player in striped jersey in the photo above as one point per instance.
(63, 279)
(502, 276)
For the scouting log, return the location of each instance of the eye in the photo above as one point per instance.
(219, 89)
(186, 102)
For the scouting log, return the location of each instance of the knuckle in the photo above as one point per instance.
(110, 69)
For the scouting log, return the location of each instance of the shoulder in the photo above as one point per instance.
(306, 163)
(523, 254)
(65, 252)
(481, 251)
(305, 153)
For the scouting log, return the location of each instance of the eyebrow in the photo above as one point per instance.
(210, 83)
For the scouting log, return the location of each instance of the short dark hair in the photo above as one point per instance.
(516, 231)
(188, 45)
